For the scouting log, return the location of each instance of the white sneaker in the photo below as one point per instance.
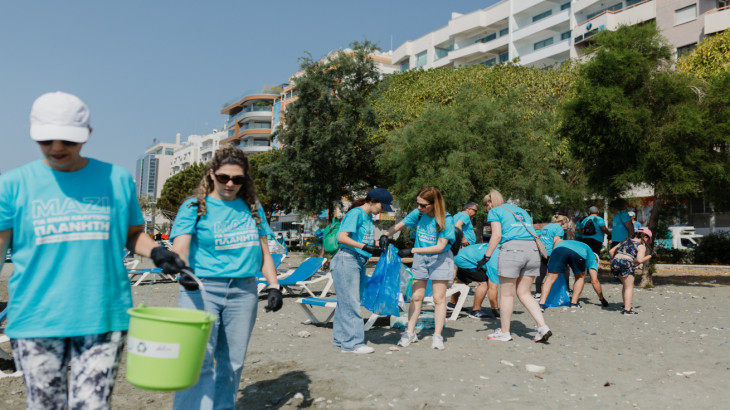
(498, 335)
(437, 342)
(360, 350)
(543, 334)
(407, 338)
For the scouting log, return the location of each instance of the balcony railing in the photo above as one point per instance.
(252, 108)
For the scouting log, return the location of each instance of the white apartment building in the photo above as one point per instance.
(153, 169)
(198, 148)
(544, 32)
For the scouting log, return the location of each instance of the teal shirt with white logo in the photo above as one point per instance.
(359, 224)
(69, 231)
(226, 241)
(426, 233)
(467, 228)
(512, 229)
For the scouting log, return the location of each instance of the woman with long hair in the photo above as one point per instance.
(222, 234)
(519, 263)
(432, 260)
(357, 245)
(626, 255)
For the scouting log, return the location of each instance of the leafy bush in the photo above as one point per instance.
(675, 255)
(714, 248)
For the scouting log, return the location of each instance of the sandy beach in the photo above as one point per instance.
(674, 354)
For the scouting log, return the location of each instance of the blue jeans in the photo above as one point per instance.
(348, 274)
(233, 301)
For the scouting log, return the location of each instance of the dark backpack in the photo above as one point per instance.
(589, 228)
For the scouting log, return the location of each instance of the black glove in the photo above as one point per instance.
(383, 242)
(187, 279)
(167, 260)
(373, 250)
(405, 253)
(275, 300)
(483, 261)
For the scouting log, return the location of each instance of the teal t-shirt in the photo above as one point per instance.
(598, 222)
(620, 232)
(468, 257)
(548, 234)
(467, 228)
(359, 224)
(583, 250)
(579, 225)
(69, 231)
(226, 241)
(426, 233)
(512, 229)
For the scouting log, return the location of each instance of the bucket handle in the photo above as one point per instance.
(190, 272)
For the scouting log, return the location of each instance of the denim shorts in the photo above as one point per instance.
(519, 258)
(439, 266)
(562, 257)
(622, 267)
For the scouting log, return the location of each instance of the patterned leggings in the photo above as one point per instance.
(94, 361)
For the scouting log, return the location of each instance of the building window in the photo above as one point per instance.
(617, 6)
(405, 66)
(564, 6)
(421, 58)
(504, 57)
(684, 50)
(543, 43)
(488, 38)
(685, 14)
(443, 52)
(564, 35)
(169, 151)
(542, 15)
(504, 31)
(490, 62)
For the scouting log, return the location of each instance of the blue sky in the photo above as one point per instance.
(151, 69)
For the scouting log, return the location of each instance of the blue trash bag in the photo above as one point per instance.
(381, 292)
(558, 293)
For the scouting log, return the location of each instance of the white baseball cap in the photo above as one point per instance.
(59, 116)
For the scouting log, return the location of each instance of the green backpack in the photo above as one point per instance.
(329, 238)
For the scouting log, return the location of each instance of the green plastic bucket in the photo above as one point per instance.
(166, 347)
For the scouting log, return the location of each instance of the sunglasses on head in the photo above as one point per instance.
(48, 143)
(223, 179)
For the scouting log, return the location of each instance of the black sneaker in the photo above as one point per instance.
(542, 308)
(629, 312)
(576, 305)
(478, 314)
(604, 303)
(495, 313)
(450, 306)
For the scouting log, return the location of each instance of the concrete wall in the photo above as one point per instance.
(680, 35)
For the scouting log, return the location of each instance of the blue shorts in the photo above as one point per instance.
(433, 266)
(562, 257)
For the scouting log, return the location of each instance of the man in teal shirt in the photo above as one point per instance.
(462, 220)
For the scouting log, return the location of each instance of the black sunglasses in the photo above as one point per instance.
(48, 143)
(223, 179)
(423, 205)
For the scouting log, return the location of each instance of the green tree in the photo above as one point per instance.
(258, 163)
(476, 143)
(710, 58)
(634, 121)
(179, 187)
(327, 151)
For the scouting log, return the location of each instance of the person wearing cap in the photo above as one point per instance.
(357, 245)
(634, 222)
(432, 260)
(595, 241)
(69, 218)
(622, 227)
(581, 259)
(626, 255)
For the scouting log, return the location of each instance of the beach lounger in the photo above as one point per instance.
(331, 303)
(302, 277)
(146, 272)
